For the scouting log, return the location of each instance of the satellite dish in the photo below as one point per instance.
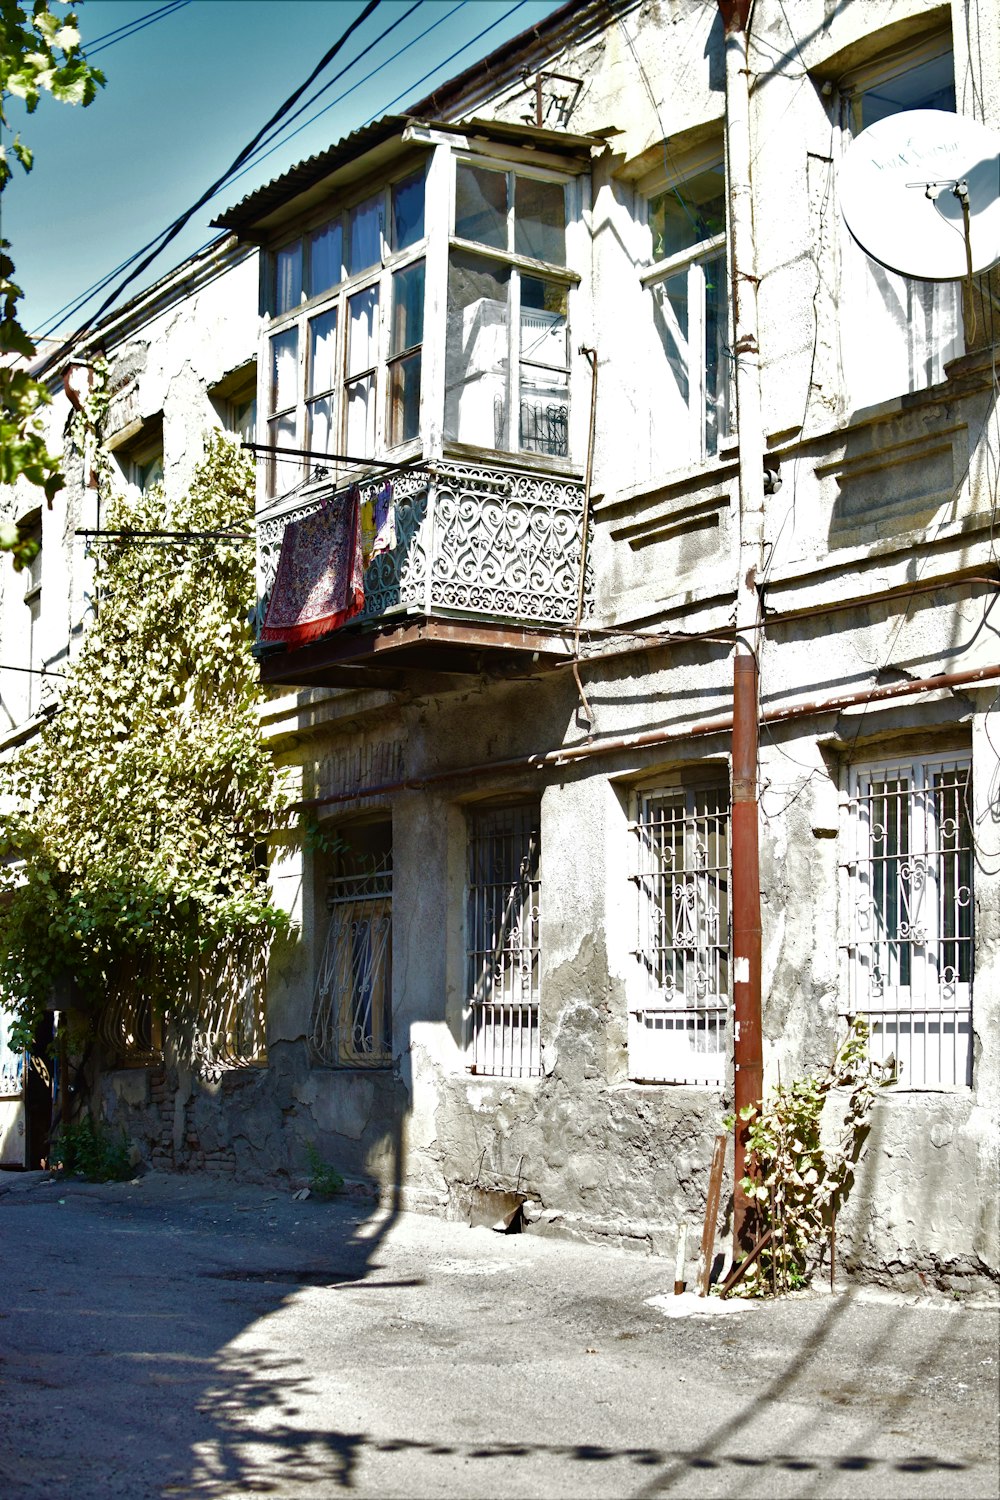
(905, 184)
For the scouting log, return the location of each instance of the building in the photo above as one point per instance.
(499, 341)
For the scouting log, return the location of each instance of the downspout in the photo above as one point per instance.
(747, 1041)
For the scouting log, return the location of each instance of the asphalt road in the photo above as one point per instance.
(191, 1337)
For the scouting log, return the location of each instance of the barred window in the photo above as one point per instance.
(909, 947)
(502, 941)
(678, 1028)
(352, 1005)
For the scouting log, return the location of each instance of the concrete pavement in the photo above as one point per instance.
(188, 1336)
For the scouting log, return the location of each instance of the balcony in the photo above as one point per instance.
(482, 575)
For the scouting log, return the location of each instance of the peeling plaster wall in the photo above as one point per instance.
(894, 497)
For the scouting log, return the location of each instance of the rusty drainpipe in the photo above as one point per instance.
(747, 1026)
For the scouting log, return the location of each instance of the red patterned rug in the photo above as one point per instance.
(319, 582)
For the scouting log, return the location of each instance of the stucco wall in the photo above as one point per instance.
(879, 570)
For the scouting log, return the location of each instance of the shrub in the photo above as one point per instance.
(325, 1181)
(86, 1150)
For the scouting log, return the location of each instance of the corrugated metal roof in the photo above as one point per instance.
(511, 133)
(249, 217)
(259, 205)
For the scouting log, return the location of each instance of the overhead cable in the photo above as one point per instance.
(81, 299)
(160, 244)
(263, 155)
(129, 28)
(85, 296)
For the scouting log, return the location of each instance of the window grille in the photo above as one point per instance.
(502, 938)
(909, 949)
(352, 1008)
(131, 1025)
(678, 1031)
(228, 996)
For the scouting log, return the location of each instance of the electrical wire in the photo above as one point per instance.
(281, 139)
(160, 243)
(33, 671)
(338, 76)
(443, 63)
(129, 28)
(263, 155)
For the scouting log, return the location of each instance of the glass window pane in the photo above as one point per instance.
(476, 352)
(283, 470)
(362, 331)
(404, 399)
(407, 308)
(543, 411)
(242, 418)
(481, 206)
(544, 325)
(670, 315)
(543, 399)
(150, 472)
(540, 220)
(326, 254)
(288, 278)
(930, 85)
(284, 369)
(408, 211)
(693, 211)
(361, 417)
(364, 243)
(319, 436)
(717, 383)
(322, 352)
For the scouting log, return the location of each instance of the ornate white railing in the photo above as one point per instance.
(485, 543)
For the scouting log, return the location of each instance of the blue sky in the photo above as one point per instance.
(185, 93)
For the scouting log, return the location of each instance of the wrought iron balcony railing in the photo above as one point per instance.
(491, 544)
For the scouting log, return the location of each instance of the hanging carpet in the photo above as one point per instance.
(318, 584)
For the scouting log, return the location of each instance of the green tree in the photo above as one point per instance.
(138, 815)
(39, 54)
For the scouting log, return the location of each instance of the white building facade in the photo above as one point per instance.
(499, 528)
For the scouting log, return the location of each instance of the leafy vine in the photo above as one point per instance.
(131, 842)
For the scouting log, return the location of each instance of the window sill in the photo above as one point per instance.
(507, 1079)
(532, 463)
(643, 1086)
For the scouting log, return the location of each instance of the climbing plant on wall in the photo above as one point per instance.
(135, 821)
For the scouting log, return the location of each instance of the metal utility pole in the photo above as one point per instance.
(745, 845)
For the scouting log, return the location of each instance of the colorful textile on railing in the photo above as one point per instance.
(318, 585)
(378, 524)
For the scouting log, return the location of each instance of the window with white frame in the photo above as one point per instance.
(352, 1003)
(340, 376)
(909, 914)
(502, 944)
(688, 288)
(678, 1024)
(897, 334)
(507, 360)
